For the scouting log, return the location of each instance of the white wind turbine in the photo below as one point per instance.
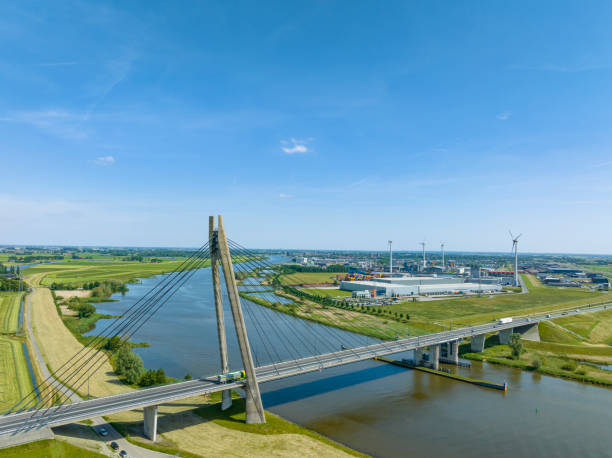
(515, 249)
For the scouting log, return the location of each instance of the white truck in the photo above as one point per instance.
(505, 320)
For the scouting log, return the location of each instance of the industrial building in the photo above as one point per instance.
(418, 286)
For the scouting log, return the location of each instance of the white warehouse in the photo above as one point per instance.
(419, 287)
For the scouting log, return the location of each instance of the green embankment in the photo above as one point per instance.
(369, 324)
(47, 449)
(15, 381)
(547, 359)
(567, 345)
(9, 312)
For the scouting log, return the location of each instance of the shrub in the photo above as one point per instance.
(536, 363)
(569, 366)
(516, 345)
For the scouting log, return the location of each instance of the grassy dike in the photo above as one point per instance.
(189, 426)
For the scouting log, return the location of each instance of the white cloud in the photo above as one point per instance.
(57, 122)
(104, 160)
(285, 196)
(295, 146)
(503, 116)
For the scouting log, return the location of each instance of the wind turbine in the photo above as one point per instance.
(424, 261)
(442, 248)
(390, 258)
(515, 248)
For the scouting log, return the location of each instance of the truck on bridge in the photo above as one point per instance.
(505, 320)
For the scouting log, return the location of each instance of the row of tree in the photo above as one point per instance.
(9, 284)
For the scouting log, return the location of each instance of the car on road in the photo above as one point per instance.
(114, 445)
(548, 315)
(123, 454)
(103, 432)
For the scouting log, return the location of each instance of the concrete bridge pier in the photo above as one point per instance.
(504, 336)
(150, 422)
(450, 352)
(477, 343)
(434, 357)
(428, 356)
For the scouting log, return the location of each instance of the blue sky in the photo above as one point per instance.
(307, 124)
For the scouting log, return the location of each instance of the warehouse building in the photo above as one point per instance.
(393, 288)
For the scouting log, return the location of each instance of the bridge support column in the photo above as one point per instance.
(477, 343)
(150, 422)
(451, 355)
(418, 356)
(504, 336)
(254, 407)
(434, 356)
(226, 396)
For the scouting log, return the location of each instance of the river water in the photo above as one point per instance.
(377, 408)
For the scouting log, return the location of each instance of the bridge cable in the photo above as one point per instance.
(126, 335)
(51, 412)
(100, 338)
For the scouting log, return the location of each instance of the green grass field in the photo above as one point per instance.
(300, 278)
(77, 273)
(9, 312)
(593, 328)
(47, 449)
(471, 310)
(15, 381)
(327, 292)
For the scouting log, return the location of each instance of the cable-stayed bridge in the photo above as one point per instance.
(53, 407)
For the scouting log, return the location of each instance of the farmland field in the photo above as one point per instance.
(9, 312)
(15, 382)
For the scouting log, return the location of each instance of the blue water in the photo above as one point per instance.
(183, 334)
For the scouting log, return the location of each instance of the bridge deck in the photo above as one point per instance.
(53, 416)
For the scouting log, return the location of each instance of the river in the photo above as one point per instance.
(377, 408)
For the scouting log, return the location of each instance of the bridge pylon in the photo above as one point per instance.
(226, 395)
(254, 407)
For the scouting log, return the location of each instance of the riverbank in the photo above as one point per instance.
(558, 360)
(366, 324)
(197, 427)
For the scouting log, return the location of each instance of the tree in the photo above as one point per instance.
(86, 310)
(516, 345)
(128, 364)
(113, 343)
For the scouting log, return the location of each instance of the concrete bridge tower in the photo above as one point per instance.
(254, 407)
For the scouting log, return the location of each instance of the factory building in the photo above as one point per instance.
(447, 287)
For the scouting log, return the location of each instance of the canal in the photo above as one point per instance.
(377, 408)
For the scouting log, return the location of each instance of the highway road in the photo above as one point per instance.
(81, 410)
